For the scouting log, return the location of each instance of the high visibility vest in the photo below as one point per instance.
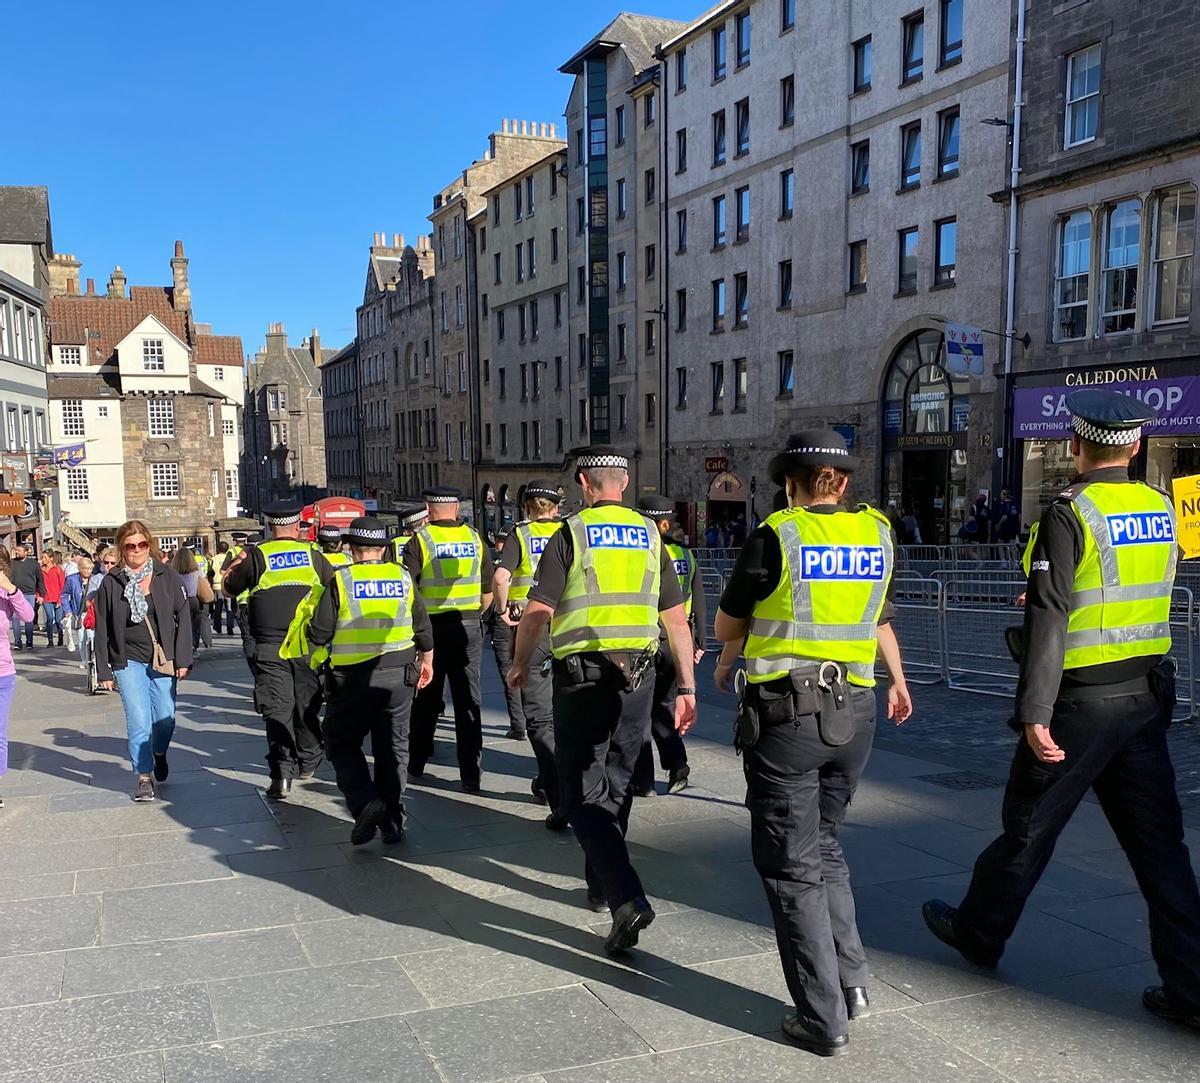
(234, 552)
(1121, 599)
(610, 599)
(685, 568)
(451, 567)
(398, 544)
(202, 565)
(289, 563)
(374, 613)
(836, 570)
(218, 569)
(337, 558)
(534, 536)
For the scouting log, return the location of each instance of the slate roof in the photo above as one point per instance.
(638, 35)
(24, 215)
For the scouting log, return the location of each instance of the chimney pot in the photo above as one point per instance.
(504, 125)
(72, 285)
(178, 249)
(91, 286)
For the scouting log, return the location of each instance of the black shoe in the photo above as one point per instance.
(555, 822)
(679, 779)
(942, 919)
(858, 1003)
(646, 791)
(390, 833)
(539, 795)
(597, 903)
(17, 647)
(629, 919)
(145, 790)
(1157, 1000)
(470, 785)
(161, 770)
(367, 822)
(515, 734)
(279, 789)
(416, 772)
(306, 773)
(813, 1043)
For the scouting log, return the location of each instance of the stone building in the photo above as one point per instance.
(527, 381)
(26, 247)
(343, 432)
(284, 421)
(1110, 165)
(152, 397)
(826, 211)
(615, 190)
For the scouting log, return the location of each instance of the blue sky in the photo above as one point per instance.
(273, 138)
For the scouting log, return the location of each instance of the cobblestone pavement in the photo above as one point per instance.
(211, 936)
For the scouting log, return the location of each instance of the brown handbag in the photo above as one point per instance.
(204, 591)
(159, 662)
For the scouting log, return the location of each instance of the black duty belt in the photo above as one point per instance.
(1139, 686)
(622, 668)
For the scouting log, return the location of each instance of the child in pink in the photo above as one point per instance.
(12, 602)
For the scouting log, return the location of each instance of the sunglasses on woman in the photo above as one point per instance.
(107, 563)
(136, 547)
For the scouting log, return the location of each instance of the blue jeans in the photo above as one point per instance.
(28, 625)
(149, 702)
(54, 614)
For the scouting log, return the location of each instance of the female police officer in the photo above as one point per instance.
(807, 597)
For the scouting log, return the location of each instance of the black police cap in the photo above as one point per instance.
(544, 488)
(812, 447)
(282, 512)
(442, 494)
(656, 506)
(1108, 417)
(367, 531)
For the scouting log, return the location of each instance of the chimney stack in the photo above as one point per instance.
(116, 283)
(91, 287)
(63, 273)
(181, 295)
(314, 344)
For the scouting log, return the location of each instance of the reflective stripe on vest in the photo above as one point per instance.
(288, 563)
(685, 568)
(534, 536)
(202, 565)
(451, 579)
(1121, 600)
(833, 584)
(398, 544)
(610, 599)
(337, 558)
(374, 613)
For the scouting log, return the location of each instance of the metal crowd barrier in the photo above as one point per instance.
(919, 629)
(1183, 647)
(713, 583)
(976, 611)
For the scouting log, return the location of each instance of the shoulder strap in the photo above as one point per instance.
(1071, 493)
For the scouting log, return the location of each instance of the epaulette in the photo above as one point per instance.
(1068, 495)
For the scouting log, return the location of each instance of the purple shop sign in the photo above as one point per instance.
(1040, 413)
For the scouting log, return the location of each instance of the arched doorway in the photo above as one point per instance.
(487, 505)
(726, 505)
(926, 412)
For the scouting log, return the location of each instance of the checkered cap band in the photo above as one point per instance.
(329, 533)
(360, 536)
(598, 462)
(284, 520)
(414, 517)
(1086, 430)
(536, 490)
(816, 451)
(443, 499)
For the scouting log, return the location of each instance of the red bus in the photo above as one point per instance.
(339, 511)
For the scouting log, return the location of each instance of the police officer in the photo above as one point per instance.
(275, 576)
(372, 627)
(329, 541)
(1094, 701)
(530, 708)
(446, 558)
(603, 584)
(410, 522)
(660, 510)
(807, 597)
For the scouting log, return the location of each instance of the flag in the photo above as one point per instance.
(70, 455)
(964, 350)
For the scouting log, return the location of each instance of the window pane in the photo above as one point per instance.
(948, 143)
(907, 254)
(1174, 244)
(1121, 251)
(910, 169)
(947, 248)
(1071, 283)
(914, 48)
(862, 64)
(952, 30)
(860, 179)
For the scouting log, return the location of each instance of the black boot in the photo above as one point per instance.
(279, 789)
(629, 919)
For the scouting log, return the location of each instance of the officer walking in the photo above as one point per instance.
(446, 558)
(410, 522)
(531, 708)
(809, 598)
(1094, 701)
(603, 584)
(660, 510)
(371, 625)
(329, 541)
(276, 576)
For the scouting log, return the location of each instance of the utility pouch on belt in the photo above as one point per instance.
(642, 664)
(746, 727)
(1162, 684)
(1014, 640)
(835, 714)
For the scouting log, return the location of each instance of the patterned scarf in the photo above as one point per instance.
(133, 592)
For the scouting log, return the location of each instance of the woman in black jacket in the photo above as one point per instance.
(141, 604)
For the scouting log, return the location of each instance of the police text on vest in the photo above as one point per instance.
(283, 562)
(454, 550)
(378, 588)
(849, 562)
(537, 545)
(614, 536)
(1141, 528)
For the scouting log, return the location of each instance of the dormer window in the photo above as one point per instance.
(153, 358)
(70, 355)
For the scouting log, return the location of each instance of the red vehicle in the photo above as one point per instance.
(339, 511)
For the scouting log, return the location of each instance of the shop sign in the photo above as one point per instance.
(1040, 413)
(846, 431)
(12, 504)
(18, 467)
(716, 464)
(1186, 492)
(925, 441)
(893, 420)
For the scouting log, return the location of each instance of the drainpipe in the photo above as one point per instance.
(664, 301)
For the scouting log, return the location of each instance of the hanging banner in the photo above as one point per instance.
(964, 350)
(1186, 492)
(70, 455)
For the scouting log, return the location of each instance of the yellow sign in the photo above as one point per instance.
(1187, 514)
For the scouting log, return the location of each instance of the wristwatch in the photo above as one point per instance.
(685, 691)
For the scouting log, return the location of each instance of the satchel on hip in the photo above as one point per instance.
(159, 662)
(204, 591)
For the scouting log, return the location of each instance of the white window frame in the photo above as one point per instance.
(71, 356)
(154, 357)
(161, 422)
(1084, 100)
(231, 484)
(77, 484)
(1159, 261)
(226, 426)
(165, 482)
(219, 372)
(73, 417)
(1060, 243)
(1120, 271)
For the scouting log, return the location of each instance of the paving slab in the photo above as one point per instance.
(354, 939)
(185, 870)
(37, 887)
(30, 979)
(31, 925)
(135, 1068)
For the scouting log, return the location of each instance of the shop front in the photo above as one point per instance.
(1041, 425)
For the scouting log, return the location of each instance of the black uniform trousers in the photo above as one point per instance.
(1116, 747)
(224, 613)
(671, 752)
(503, 638)
(287, 693)
(375, 700)
(599, 730)
(457, 651)
(797, 790)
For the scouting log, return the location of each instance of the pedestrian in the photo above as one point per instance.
(276, 576)
(912, 529)
(372, 625)
(52, 611)
(72, 601)
(672, 754)
(604, 582)
(737, 532)
(446, 559)
(197, 588)
(143, 647)
(26, 575)
(712, 536)
(531, 708)
(91, 574)
(411, 521)
(808, 598)
(1006, 523)
(329, 541)
(14, 605)
(223, 607)
(1094, 701)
